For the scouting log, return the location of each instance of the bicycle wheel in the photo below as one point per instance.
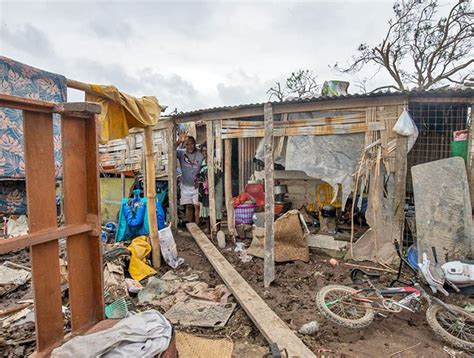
(456, 327)
(336, 303)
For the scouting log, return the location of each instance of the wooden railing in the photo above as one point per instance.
(81, 211)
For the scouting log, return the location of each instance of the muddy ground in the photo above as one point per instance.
(291, 296)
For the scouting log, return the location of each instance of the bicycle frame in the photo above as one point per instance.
(412, 293)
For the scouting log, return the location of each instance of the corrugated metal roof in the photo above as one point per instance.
(450, 91)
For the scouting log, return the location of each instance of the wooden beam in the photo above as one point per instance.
(467, 100)
(400, 188)
(77, 109)
(269, 246)
(240, 157)
(270, 325)
(284, 123)
(151, 196)
(229, 203)
(27, 104)
(93, 214)
(79, 148)
(172, 184)
(41, 205)
(42, 236)
(218, 138)
(211, 175)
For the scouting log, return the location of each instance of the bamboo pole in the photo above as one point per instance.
(151, 196)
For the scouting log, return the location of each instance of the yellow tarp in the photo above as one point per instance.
(138, 268)
(120, 111)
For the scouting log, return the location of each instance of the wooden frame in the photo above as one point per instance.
(81, 201)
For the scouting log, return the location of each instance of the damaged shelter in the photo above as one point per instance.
(313, 184)
(327, 148)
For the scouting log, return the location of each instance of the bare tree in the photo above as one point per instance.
(420, 48)
(278, 92)
(299, 84)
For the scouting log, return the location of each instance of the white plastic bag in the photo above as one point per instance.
(405, 126)
(168, 248)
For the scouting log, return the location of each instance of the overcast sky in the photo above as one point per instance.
(190, 55)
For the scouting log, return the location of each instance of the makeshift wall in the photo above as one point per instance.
(121, 155)
(111, 197)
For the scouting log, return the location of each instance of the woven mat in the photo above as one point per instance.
(190, 346)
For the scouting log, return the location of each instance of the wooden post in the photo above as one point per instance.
(151, 196)
(268, 262)
(228, 187)
(400, 188)
(240, 145)
(172, 187)
(40, 187)
(211, 176)
(81, 200)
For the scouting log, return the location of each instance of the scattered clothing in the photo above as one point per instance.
(146, 334)
(138, 267)
(133, 221)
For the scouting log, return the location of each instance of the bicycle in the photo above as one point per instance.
(353, 308)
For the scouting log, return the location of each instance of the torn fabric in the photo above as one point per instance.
(120, 111)
(376, 243)
(146, 334)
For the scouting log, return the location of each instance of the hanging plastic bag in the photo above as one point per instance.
(138, 268)
(168, 248)
(405, 126)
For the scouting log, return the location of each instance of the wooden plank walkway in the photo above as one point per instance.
(271, 326)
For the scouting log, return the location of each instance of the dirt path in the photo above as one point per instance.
(292, 297)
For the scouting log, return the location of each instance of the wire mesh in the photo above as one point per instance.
(436, 123)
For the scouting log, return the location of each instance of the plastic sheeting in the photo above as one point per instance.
(332, 158)
(443, 210)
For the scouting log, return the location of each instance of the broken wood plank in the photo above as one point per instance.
(269, 324)
(310, 130)
(41, 205)
(269, 245)
(39, 237)
(307, 122)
